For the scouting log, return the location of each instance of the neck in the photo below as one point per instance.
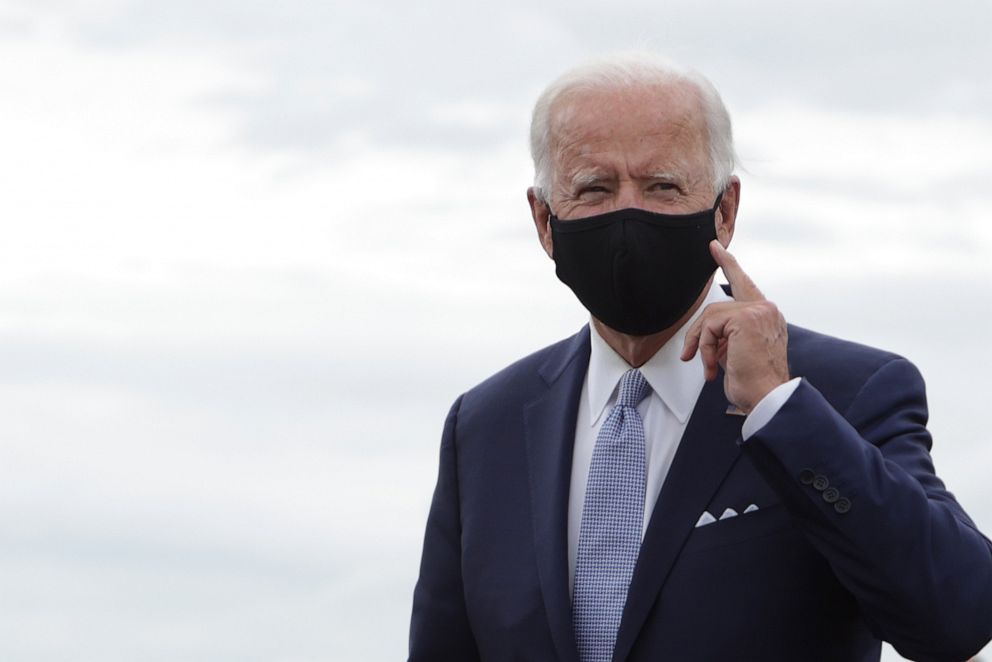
(636, 350)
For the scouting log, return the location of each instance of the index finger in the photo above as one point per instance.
(741, 286)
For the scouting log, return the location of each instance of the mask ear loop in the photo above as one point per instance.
(551, 212)
(716, 205)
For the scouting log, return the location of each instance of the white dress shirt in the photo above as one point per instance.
(675, 387)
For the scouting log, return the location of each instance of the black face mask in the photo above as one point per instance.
(636, 271)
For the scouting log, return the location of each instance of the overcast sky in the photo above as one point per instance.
(252, 251)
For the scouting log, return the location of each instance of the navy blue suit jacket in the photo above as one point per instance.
(888, 554)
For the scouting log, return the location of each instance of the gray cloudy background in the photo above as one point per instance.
(253, 250)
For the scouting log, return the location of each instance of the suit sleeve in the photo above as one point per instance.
(439, 628)
(863, 487)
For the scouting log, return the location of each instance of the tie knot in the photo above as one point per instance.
(633, 388)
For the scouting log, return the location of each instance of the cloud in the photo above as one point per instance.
(253, 251)
(334, 79)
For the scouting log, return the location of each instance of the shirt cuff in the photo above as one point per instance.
(769, 405)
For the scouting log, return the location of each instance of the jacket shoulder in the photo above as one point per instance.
(837, 368)
(519, 381)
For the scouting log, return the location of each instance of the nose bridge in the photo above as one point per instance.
(629, 194)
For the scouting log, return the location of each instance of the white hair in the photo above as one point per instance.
(625, 71)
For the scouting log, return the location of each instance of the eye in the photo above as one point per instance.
(593, 190)
(663, 186)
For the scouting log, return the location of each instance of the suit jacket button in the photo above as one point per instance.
(806, 476)
(820, 483)
(843, 505)
(830, 495)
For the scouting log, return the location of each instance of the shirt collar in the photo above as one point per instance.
(677, 383)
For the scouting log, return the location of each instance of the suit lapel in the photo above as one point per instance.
(705, 455)
(550, 427)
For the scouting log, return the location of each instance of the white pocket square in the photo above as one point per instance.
(707, 518)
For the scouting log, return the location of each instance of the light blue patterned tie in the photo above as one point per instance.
(612, 518)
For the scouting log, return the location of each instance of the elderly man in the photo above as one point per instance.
(688, 477)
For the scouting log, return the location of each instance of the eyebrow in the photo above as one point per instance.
(587, 177)
(666, 176)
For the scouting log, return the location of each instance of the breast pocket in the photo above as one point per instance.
(767, 521)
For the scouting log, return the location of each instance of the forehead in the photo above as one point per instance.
(658, 126)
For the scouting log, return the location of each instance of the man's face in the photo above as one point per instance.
(642, 148)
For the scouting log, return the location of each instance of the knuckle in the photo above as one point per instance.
(754, 313)
(768, 309)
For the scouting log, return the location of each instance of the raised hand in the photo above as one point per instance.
(747, 337)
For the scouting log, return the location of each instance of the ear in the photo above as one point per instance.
(726, 216)
(541, 214)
